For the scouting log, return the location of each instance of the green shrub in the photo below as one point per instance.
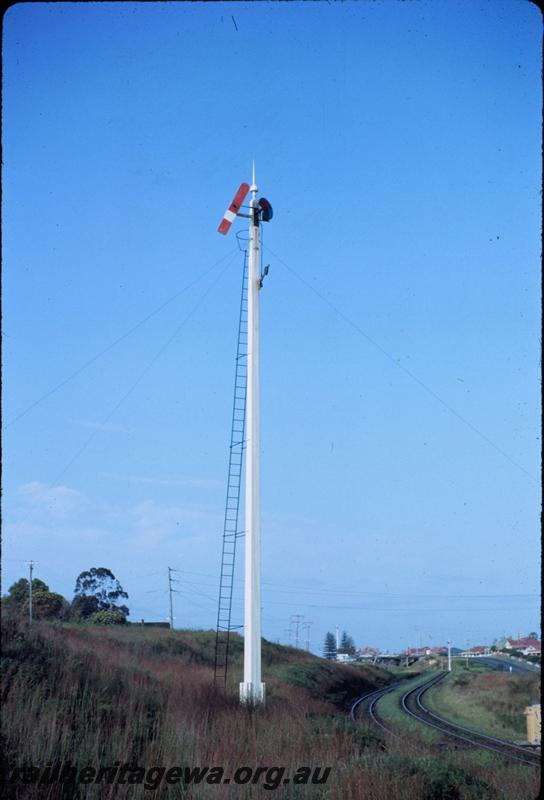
(111, 617)
(339, 684)
(445, 781)
(46, 605)
(461, 679)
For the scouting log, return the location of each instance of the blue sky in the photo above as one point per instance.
(399, 144)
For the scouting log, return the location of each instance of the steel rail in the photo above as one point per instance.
(495, 744)
(383, 690)
(522, 748)
(501, 746)
(372, 698)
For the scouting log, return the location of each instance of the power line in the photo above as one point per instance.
(113, 344)
(30, 569)
(307, 625)
(190, 597)
(170, 590)
(139, 379)
(142, 374)
(400, 366)
(201, 594)
(296, 619)
(288, 587)
(403, 610)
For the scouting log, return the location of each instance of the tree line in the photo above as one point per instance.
(347, 646)
(98, 597)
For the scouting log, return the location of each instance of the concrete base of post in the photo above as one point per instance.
(252, 693)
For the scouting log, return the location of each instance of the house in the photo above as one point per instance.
(344, 657)
(525, 645)
(477, 650)
(417, 651)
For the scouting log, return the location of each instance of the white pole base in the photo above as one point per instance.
(252, 693)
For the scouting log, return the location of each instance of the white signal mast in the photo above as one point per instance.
(252, 689)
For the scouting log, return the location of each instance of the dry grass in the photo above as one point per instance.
(492, 702)
(98, 695)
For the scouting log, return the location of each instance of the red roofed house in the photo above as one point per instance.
(526, 645)
(477, 650)
(417, 651)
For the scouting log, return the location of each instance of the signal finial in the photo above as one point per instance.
(253, 187)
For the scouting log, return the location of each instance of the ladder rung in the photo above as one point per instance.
(234, 480)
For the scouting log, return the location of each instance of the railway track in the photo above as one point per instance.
(411, 703)
(367, 705)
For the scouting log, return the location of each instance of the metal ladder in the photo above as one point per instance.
(234, 483)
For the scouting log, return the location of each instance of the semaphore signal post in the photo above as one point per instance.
(252, 689)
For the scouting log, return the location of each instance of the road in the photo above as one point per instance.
(505, 665)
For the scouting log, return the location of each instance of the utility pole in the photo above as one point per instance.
(296, 619)
(170, 590)
(30, 568)
(307, 626)
(449, 656)
(252, 690)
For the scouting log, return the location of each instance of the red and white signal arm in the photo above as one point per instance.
(230, 214)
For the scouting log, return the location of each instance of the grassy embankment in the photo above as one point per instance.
(93, 695)
(97, 695)
(492, 702)
(389, 711)
(459, 772)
